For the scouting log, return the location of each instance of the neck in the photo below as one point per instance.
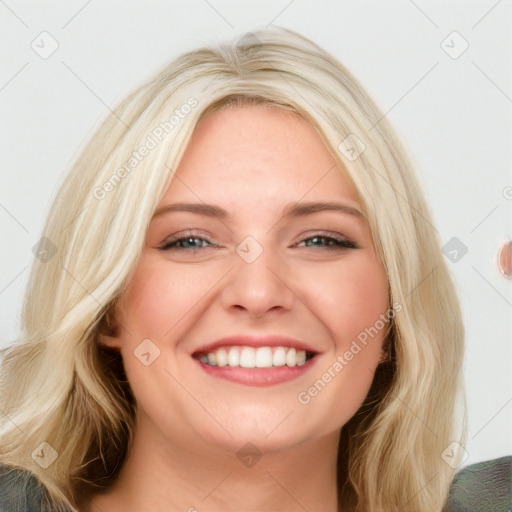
(161, 476)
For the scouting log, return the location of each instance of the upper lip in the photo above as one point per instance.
(255, 341)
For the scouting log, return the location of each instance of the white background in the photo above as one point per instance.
(454, 114)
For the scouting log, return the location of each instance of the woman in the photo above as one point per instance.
(240, 304)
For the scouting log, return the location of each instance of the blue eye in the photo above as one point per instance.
(329, 243)
(185, 242)
(318, 241)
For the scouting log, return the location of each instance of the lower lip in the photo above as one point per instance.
(258, 376)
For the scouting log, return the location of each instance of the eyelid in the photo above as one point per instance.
(340, 241)
(187, 233)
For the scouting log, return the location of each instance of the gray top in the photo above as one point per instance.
(481, 487)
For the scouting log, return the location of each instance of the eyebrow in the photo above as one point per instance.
(292, 210)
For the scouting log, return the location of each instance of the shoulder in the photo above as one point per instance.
(482, 487)
(477, 488)
(19, 491)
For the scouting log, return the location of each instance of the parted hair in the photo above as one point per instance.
(61, 387)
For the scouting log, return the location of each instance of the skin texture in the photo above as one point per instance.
(252, 161)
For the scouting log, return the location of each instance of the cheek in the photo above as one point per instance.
(351, 305)
(159, 297)
(349, 297)
(364, 299)
(352, 311)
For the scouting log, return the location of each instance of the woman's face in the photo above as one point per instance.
(258, 257)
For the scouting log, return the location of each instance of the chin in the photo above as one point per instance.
(269, 429)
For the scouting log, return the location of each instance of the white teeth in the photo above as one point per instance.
(233, 357)
(222, 357)
(300, 358)
(290, 357)
(279, 358)
(250, 357)
(264, 357)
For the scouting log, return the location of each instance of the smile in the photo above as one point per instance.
(255, 366)
(251, 357)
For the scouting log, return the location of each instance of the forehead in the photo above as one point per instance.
(255, 154)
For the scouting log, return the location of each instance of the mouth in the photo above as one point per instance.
(257, 366)
(252, 357)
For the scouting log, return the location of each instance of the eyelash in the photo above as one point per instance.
(339, 243)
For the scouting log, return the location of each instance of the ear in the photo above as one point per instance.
(108, 331)
(387, 349)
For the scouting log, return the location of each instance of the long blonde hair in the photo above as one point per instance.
(59, 387)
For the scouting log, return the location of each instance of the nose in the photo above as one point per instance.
(259, 287)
